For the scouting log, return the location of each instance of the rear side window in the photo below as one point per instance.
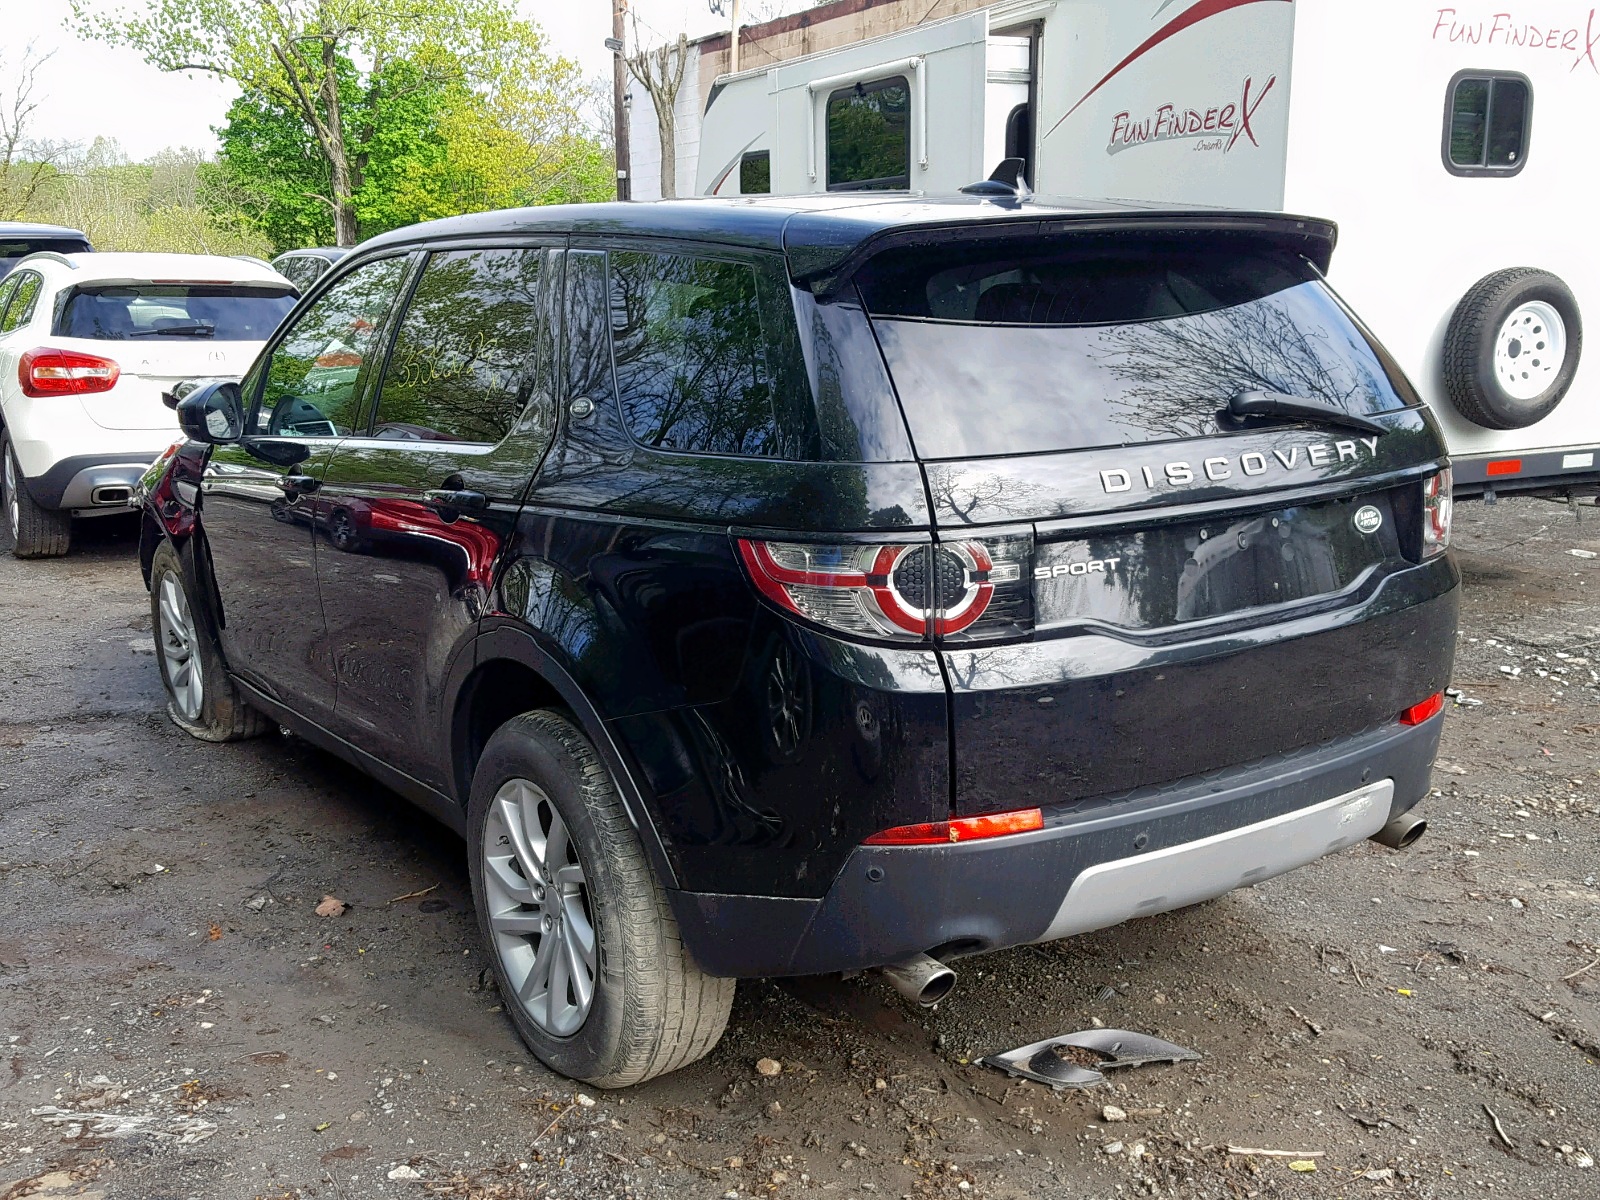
(156, 311)
(20, 311)
(462, 367)
(1078, 342)
(869, 136)
(1488, 118)
(12, 252)
(690, 357)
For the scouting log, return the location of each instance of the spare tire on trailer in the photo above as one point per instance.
(1512, 348)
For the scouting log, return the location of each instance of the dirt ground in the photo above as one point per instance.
(177, 1023)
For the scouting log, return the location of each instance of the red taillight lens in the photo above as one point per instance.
(962, 829)
(904, 592)
(47, 372)
(1424, 710)
(1437, 509)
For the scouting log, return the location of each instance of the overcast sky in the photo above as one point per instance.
(89, 90)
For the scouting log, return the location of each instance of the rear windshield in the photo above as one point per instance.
(1072, 344)
(154, 311)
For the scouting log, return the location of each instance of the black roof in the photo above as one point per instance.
(825, 235)
(20, 230)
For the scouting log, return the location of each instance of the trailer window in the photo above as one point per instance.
(755, 173)
(1487, 120)
(869, 136)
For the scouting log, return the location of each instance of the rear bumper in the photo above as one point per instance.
(1145, 852)
(78, 482)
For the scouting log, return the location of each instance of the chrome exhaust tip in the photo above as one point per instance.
(111, 494)
(921, 980)
(1401, 832)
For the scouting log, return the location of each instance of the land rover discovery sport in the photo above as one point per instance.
(791, 586)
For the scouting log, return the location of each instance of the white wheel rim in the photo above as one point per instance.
(1529, 350)
(179, 648)
(538, 908)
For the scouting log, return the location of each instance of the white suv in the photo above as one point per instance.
(88, 344)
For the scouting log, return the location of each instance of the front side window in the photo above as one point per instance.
(315, 375)
(691, 366)
(1487, 122)
(20, 310)
(462, 367)
(869, 136)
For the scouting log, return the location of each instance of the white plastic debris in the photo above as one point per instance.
(405, 1172)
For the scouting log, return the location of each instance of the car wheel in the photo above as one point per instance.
(1512, 347)
(35, 532)
(342, 531)
(583, 943)
(201, 698)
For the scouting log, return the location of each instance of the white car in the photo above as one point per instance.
(88, 344)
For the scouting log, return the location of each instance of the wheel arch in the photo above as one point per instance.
(512, 674)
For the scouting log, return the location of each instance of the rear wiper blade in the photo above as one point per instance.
(1280, 404)
(196, 330)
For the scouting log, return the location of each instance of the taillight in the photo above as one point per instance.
(961, 829)
(1437, 508)
(47, 372)
(899, 591)
(1423, 710)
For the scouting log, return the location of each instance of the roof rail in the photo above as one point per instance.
(55, 256)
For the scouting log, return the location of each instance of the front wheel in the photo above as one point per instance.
(201, 699)
(35, 532)
(584, 946)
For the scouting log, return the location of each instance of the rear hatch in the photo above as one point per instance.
(160, 333)
(1196, 587)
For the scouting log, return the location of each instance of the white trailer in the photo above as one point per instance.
(1453, 144)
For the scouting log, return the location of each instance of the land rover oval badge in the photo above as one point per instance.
(1368, 519)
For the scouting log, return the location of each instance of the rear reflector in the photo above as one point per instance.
(963, 829)
(1427, 709)
(1504, 466)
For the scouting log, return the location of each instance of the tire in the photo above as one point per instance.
(342, 531)
(1492, 374)
(35, 532)
(201, 697)
(651, 1010)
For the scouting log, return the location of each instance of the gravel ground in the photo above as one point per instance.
(177, 1022)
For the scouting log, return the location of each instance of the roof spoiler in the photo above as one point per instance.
(825, 268)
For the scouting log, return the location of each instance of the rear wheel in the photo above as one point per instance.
(201, 698)
(35, 532)
(584, 945)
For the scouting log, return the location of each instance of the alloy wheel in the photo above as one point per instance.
(538, 908)
(13, 507)
(179, 642)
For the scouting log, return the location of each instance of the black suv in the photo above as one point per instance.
(794, 586)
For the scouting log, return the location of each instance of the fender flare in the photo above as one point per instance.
(511, 643)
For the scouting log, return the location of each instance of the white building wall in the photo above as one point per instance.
(644, 140)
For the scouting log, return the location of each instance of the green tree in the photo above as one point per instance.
(301, 57)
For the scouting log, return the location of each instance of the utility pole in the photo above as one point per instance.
(619, 91)
(733, 40)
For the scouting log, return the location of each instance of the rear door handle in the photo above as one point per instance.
(298, 485)
(458, 501)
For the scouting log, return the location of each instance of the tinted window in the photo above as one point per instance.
(869, 136)
(1487, 124)
(13, 252)
(690, 365)
(7, 287)
(222, 313)
(20, 310)
(1045, 346)
(314, 377)
(755, 174)
(462, 367)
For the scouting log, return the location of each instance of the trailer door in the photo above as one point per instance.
(898, 113)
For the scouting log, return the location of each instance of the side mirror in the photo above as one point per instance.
(212, 413)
